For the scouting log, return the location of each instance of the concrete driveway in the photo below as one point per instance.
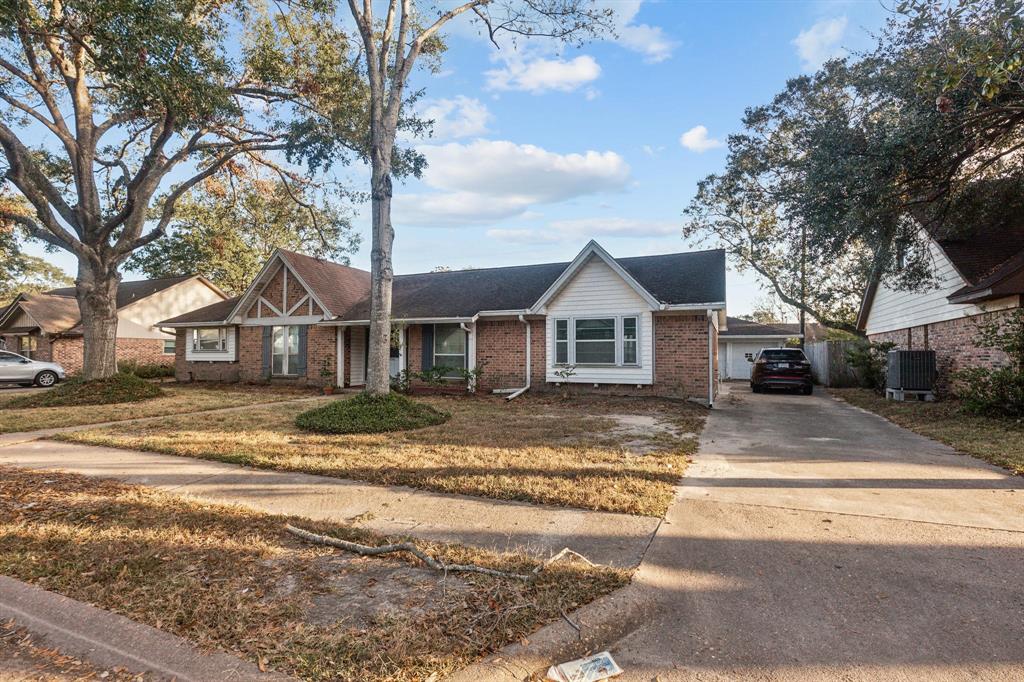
(812, 540)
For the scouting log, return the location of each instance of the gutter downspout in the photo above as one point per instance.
(516, 392)
(711, 363)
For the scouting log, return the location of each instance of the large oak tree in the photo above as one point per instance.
(112, 110)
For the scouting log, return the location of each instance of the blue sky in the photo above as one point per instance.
(539, 147)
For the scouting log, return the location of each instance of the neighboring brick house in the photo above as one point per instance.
(47, 326)
(647, 324)
(979, 277)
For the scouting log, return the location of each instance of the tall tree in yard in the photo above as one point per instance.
(391, 48)
(112, 110)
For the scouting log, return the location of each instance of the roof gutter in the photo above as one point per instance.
(716, 305)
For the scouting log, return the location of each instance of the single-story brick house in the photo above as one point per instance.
(741, 339)
(979, 278)
(647, 324)
(47, 326)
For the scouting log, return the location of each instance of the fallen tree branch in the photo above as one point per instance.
(367, 550)
(564, 553)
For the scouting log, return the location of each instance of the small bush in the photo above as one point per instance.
(997, 392)
(146, 371)
(368, 413)
(120, 388)
(869, 360)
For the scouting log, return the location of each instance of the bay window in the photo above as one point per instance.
(212, 340)
(285, 346)
(450, 349)
(610, 340)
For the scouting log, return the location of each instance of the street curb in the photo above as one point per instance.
(605, 620)
(109, 640)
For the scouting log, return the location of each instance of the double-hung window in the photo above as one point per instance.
(450, 349)
(27, 346)
(611, 340)
(168, 346)
(595, 341)
(212, 340)
(285, 346)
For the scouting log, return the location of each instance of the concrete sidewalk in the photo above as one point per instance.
(107, 639)
(604, 538)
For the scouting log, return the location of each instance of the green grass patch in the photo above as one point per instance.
(120, 388)
(368, 413)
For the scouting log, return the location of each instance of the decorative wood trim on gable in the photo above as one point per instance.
(287, 292)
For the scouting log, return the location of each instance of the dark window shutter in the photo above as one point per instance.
(300, 370)
(427, 363)
(268, 351)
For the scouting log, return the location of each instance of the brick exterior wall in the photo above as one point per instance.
(69, 352)
(681, 355)
(954, 343)
(200, 371)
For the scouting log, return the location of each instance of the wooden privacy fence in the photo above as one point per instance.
(829, 364)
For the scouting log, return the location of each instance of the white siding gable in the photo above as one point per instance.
(139, 319)
(226, 355)
(892, 309)
(598, 291)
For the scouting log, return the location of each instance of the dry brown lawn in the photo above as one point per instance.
(996, 440)
(179, 398)
(611, 454)
(233, 579)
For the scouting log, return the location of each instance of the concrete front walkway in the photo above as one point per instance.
(605, 538)
(814, 541)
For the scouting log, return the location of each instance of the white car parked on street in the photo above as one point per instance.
(17, 369)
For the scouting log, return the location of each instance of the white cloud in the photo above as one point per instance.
(540, 75)
(580, 229)
(457, 117)
(650, 41)
(696, 140)
(488, 180)
(820, 42)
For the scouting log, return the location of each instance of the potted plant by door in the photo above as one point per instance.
(327, 373)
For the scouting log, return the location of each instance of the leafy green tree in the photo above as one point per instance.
(113, 110)
(409, 30)
(227, 232)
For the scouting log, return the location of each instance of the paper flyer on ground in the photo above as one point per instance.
(591, 669)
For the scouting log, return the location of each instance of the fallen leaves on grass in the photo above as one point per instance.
(577, 453)
(231, 578)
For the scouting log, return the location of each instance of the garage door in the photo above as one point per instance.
(735, 365)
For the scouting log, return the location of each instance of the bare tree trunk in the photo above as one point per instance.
(378, 379)
(97, 302)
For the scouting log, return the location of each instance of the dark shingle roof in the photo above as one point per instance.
(215, 312)
(129, 292)
(741, 327)
(464, 293)
(677, 278)
(338, 286)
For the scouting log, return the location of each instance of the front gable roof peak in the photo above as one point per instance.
(593, 249)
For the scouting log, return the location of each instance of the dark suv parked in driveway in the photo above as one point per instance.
(781, 368)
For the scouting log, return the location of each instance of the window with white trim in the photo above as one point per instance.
(612, 340)
(168, 346)
(561, 342)
(450, 349)
(285, 345)
(594, 341)
(630, 341)
(210, 340)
